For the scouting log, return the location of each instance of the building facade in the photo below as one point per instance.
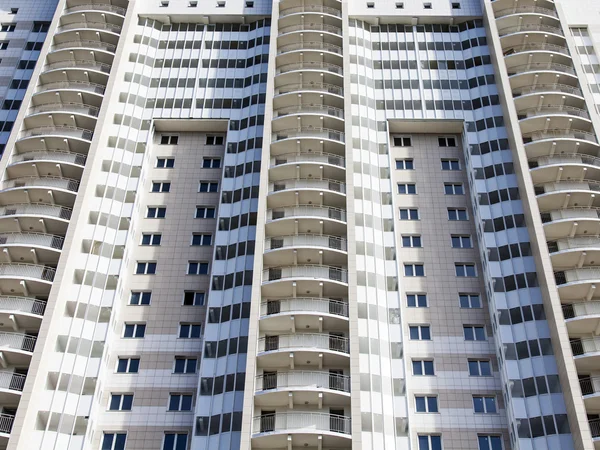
(316, 224)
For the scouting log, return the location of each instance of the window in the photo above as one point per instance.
(164, 3)
(169, 139)
(414, 270)
(461, 241)
(134, 330)
(447, 142)
(161, 186)
(465, 270)
(3, 45)
(457, 214)
(370, 5)
(193, 298)
(430, 442)
(416, 300)
(192, 4)
(14, 10)
(197, 268)
(140, 297)
(411, 241)
(175, 441)
(156, 212)
(189, 330)
(250, 4)
(151, 239)
(453, 189)
(490, 442)
(165, 163)
(185, 365)
(426, 5)
(208, 186)
(220, 4)
(205, 212)
(474, 333)
(450, 164)
(407, 188)
(405, 164)
(484, 405)
(480, 368)
(426, 404)
(211, 163)
(399, 5)
(128, 365)
(26, 65)
(419, 332)
(114, 441)
(469, 300)
(201, 239)
(215, 140)
(403, 141)
(455, 5)
(180, 402)
(422, 367)
(40, 27)
(145, 268)
(7, 27)
(120, 402)
(409, 214)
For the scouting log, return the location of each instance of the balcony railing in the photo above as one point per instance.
(556, 87)
(564, 158)
(581, 309)
(307, 183)
(84, 43)
(314, 305)
(303, 378)
(528, 27)
(75, 85)
(310, 45)
(574, 275)
(311, 27)
(534, 67)
(310, 65)
(310, 8)
(555, 110)
(595, 428)
(567, 185)
(297, 421)
(303, 240)
(70, 107)
(309, 132)
(12, 381)
(51, 182)
(319, 87)
(533, 47)
(526, 9)
(310, 109)
(63, 130)
(38, 239)
(56, 155)
(6, 423)
(80, 64)
(90, 25)
(560, 134)
(307, 211)
(306, 271)
(326, 158)
(36, 209)
(306, 341)
(17, 341)
(23, 304)
(22, 270)
(97, 7)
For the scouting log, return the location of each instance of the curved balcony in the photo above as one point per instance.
(104, 7)
(44, 210)
(293, 88)
(528, 28)
(310, 45)
(29, 271)
(11, 381)
(331, 29)
(575, 251)
(576, 284)
(582, 318)
(590, 389)
(84, 43)
(6, 424)
(56, 156)
(296, 158)
(310, 279)
(305, 240)
(307, 348)
(73, 85)
(554, 110)
(288, 220)
(322, 110)
(309, 133)
(310, 9)
(306, 312)
(555, 134)
(31, 240)
(537, 10)
(306, 387)
(548, 88)
(65, 107)
(65, 184)
(537, 67)
(595, 430)
(307, 183)
(17, 347)
(564, 194)
(311, 428)
(104, 26)
(305, 248)
(275, 274)
(310, 65)
(78, 64)
(527, 48)
(66, 131)
(586, 352)
(579, 221)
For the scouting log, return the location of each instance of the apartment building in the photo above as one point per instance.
(315, 224)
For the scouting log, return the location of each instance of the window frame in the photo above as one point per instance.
(479, 365)
(136, 326)
(158, 210)
(417, 297)
(414, 241)
(429, 400)
(144, 298)
(422, 363)
(474, 329)
(123, 398)
(200, 265)
(420, 328)
(128, 360)
(484, 403)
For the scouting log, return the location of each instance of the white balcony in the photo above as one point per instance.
(308, 157)
(303, 313)
(310, 65)
(54, 156)
(590, 389)
(307, 183)
(6, 424)
(82, 43)
(304, 341)
(310, 9)
(583, 317)
(72, 85)
(22, 305)
(83, 64)
(548, 88)
(317, 272)
(289, 220)
(105, 26)
(293, 88)
(73, 132)
(306, 240)
(577, 284)
(71, 107)
(310, 45)
(309, 132)
(529, 27)
(104, 7)
(310, 27)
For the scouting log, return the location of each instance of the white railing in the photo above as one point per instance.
(327, 158)
(12, 381)
(70, 107)
(304, 304)
(51, 182)
(310, 109)
(61, 130)
(307, 211)
(23, 304)
(310, 8)
(84, 43)
(310, 65)
(78, 63)
(56, 155)
(582, 274)
(298, 421)
(319, 87)
(306, 271)
(97, 7)
(18, 341)
(548, 110)
(561, 134)
(526, 9)
(556, 87)
(307, 183)
(39, 239)
(36, 209)
(6, 423)
(595, 428)
(310, 45)
(589, 385)
(76, 85)
(305, 341)
(309, 27)
(303, 378)
(568, 185)
(303, 240)
(578, 242)
(533, 67)
(581, 309)
(529, 47)
(312, 132)
(90, 25)
(530, 27)
(566, 158)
